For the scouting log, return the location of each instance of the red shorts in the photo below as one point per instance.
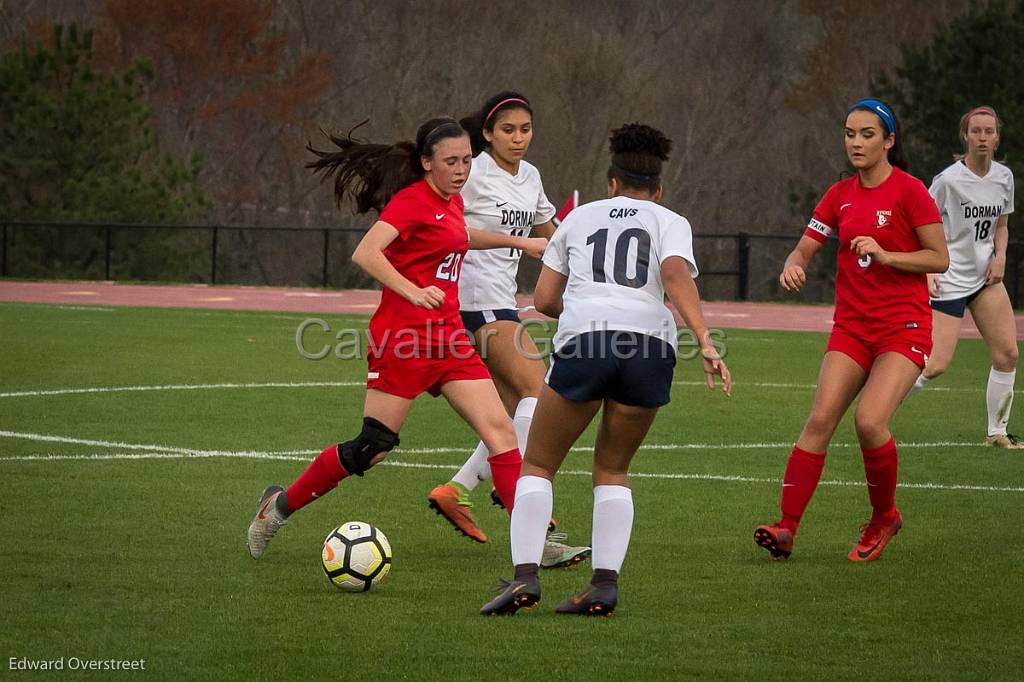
(864, 346)
(407, 377)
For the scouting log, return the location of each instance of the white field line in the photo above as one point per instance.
(342, 384)
(169, 452)
(182, 387)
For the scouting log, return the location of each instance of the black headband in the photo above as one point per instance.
(428, 136)
(639, 177)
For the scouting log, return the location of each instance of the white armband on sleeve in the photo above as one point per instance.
(820, 227)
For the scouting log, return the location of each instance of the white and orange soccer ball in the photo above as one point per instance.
(356, 556)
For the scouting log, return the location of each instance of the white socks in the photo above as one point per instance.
(613, 524)
(530, 517)
(999, 399)
(522, 420)
(921, 382)
(472, 472)
(476, 468)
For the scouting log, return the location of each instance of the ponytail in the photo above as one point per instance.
(370, 174)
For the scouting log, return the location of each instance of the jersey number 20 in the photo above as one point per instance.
(449, 268)
(622, 247)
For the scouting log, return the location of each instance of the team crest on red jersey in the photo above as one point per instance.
(883, 218)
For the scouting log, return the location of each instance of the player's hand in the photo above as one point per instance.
(715, 366)
(430, 298)
(996, 270)
(866, 246)
(534, 246)
(933, 284)
(793, 278)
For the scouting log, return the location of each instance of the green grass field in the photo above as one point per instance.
(124, 517)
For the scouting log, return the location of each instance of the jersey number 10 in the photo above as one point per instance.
(622, 247)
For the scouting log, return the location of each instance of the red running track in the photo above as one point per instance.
(729, 315)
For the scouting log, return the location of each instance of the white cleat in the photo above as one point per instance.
(266, 523)
(559, 555)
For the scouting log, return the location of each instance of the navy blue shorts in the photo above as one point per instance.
(630, 368)
(474, 319)
(957, 306)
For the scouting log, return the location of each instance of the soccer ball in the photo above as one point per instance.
(356, 556)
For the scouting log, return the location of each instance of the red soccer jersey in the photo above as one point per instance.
(869, 295)
(432, 241)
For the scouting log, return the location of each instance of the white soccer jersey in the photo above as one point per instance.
(970, 207)
(612, 251)
(507, 204)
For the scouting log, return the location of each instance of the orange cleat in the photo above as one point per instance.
(874, 537)
(777, 539)
(453, 504)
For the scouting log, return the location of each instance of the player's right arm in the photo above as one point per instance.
(369, 255)
(794, 272)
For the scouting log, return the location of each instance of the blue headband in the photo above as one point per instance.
(882, 109)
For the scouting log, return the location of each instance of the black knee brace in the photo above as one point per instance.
(356, 455)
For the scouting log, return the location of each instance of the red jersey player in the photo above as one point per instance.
(416, 342)
(890, 235)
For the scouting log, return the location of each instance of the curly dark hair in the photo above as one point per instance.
(638, 151)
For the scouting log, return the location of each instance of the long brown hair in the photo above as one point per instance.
(370, 174)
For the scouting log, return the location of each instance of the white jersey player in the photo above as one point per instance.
(503, 194)
(605, 276)
(975, 198)
(611, 252)
(498, 201)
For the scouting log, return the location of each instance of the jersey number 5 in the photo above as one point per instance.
(448, 270)
(622, 247)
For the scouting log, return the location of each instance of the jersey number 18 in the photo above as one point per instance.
(981, 228)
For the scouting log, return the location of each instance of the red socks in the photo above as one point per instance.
(321, 477)
(880, 468)
(505, 468)
(803, 471)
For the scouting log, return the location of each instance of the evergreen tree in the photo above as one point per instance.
(77, 144)
(977, 58)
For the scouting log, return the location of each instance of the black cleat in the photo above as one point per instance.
(592, 601)
(518, 594)
(496, 501)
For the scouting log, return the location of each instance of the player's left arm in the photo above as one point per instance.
(544, 230)
(547, 296)
(482, 240)
(933, 256)
(682, 291)
(997, 268)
